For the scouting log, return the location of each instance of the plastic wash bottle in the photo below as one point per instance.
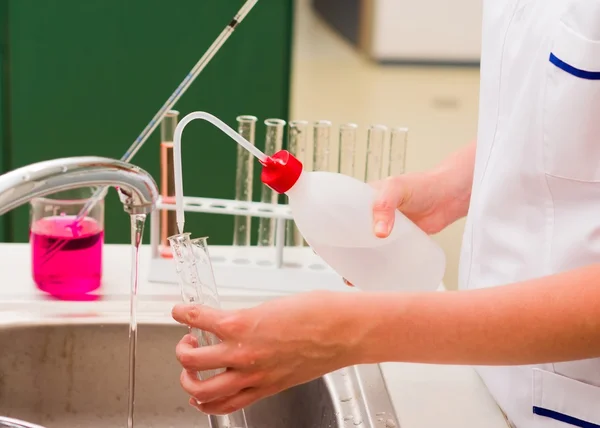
(333, 212)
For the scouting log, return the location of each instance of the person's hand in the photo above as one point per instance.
(266, 349)
(417, 196)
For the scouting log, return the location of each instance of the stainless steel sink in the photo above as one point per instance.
(71, 375)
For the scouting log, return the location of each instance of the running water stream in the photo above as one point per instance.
(137, 232)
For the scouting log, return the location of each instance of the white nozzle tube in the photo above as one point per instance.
(177, 155)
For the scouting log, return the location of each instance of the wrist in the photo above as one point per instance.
(452, 192)
(376, 321)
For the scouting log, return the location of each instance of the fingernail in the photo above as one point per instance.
(381, 228)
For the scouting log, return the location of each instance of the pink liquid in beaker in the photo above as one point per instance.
(76, 268)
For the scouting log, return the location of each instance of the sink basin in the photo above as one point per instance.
(72, 374)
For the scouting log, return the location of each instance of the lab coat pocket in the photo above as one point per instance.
(561, 402)
(572, 97)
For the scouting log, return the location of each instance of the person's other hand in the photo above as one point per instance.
(417, 196)
(265, 349)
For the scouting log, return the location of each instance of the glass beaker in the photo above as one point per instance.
(66, 253)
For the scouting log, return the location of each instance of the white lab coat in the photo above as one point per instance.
(535, 207)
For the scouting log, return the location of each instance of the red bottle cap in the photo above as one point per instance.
(281, 171)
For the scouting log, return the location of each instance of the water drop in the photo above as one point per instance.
(390, 424)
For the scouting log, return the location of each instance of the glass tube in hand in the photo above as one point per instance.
(243, 180)
(195, 276)
(168, 219)
(321, 145)
(297, 145)
(375, 144)
(197, 282)
(347, 149)
(397, 152)
(273, 143)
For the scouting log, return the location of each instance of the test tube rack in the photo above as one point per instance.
(272, 271)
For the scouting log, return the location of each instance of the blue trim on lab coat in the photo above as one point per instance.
(561, 417)
(583, 74)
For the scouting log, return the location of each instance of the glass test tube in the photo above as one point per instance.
(243, 180)
(297, 145)
(168, 222)
(375, 143)
(197, 282)
(397, 152)
(321, 145)
(347, 149)
(273, 143)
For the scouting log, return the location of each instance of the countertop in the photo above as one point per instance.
(424, 396)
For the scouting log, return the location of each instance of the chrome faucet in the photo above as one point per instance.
(15, 423)
(137, 189)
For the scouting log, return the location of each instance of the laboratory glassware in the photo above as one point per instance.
(168, 221)
(397, 151)
(375, 145)
(297, 146)
(321, 145)
(273, 144)
(198, 286)
(347, 149)
(168, 105)
(76, 269)
(243, 179)
(339, 228)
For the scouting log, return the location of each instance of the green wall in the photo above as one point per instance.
(4, 131)
(85, 77)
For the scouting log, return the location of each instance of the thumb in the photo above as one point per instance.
(199, 316)
(386, 202)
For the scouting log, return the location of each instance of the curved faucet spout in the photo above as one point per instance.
(15, 423)
(137, 189)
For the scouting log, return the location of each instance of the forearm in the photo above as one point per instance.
(544, 320)
(456, 172)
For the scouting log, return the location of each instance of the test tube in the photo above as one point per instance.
(273, 143)
(397, 152)
(347, 149)
(321, 145)
(243, 180)
(168, 221)
(297, 145)
(197, 282)
(375, 142)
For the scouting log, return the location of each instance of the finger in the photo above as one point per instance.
(199, 316)
(189, 340)
(194, 403)
(384, 207)
(234, 403)
(221, 386)
(205, 358)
